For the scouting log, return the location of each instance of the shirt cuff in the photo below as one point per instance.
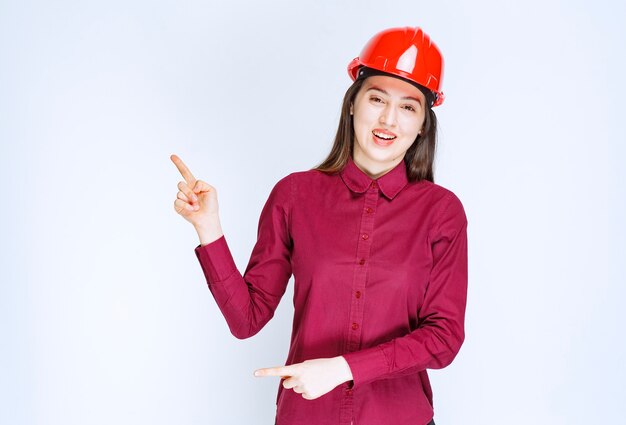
(216, 260)
(366, 365)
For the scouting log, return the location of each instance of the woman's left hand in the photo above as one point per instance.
(311, 378)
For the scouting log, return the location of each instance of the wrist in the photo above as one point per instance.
(346, 374)
(209, 233)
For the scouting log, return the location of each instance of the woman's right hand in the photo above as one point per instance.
(196, 200)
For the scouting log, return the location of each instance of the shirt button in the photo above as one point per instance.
(373, 185)
(368, 210)
(349, 391)
(357, 294)
(365, 236)
(362, 261)
(355, 326)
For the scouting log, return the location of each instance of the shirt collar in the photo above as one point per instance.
(390, 183)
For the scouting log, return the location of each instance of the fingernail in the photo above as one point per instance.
(195, 198)
(257, 373)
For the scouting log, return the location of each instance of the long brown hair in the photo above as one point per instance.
(418, 158)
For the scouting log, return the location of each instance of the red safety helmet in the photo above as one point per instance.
(405, 52)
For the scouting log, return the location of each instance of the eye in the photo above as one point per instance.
(376, 99)
(410, 108)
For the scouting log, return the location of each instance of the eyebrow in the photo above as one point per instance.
(385, 92)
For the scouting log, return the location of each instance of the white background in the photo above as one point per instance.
(105, 316)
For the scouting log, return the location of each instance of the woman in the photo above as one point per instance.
(378, 252)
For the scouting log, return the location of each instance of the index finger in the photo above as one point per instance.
(283, 371)
(189, 178)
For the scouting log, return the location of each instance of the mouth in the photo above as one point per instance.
(383, 137)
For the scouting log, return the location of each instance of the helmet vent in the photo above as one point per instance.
(406, 62)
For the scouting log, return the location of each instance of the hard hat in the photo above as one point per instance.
(407, 53)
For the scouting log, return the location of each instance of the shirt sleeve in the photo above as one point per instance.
(249, 301)
(440, 332)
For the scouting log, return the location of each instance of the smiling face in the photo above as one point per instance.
(388, 113)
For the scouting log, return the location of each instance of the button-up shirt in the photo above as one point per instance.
(380, 278)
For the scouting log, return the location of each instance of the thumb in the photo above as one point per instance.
(198, 187)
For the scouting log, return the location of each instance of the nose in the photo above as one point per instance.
(388, 115)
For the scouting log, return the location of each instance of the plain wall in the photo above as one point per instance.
(105, 316)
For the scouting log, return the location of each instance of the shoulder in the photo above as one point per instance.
(450, 218)
(435, 194)
(281, 192)
(443, 201)
(309, 180)
(287, 185)
(449, 198)
(310, 175)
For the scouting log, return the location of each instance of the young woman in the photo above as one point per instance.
(378, 252)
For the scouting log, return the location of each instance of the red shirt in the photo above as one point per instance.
(380, 277)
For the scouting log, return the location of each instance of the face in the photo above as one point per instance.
(388, 114)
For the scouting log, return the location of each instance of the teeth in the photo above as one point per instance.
(383, 136)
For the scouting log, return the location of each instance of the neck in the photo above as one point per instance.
(373, 169)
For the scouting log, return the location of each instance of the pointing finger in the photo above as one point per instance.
(283, 371)
(189, 178)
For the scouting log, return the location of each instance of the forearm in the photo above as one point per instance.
(428, 347)
(247, 301)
